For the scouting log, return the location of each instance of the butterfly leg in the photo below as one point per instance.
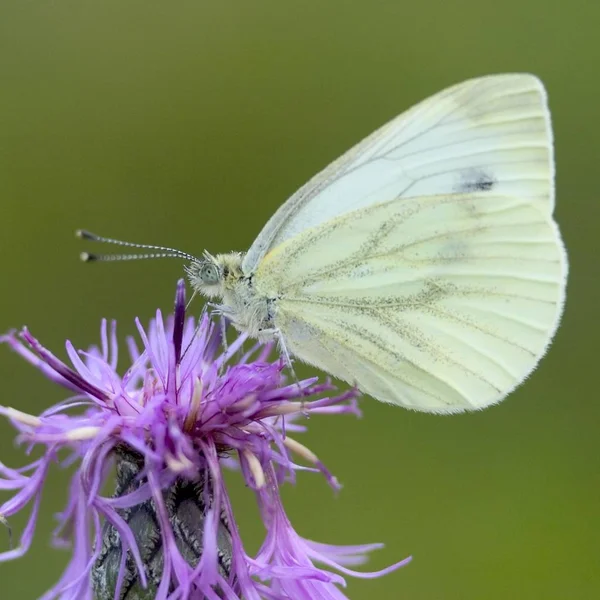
(222, 311)
(196, 330)
(276, 334)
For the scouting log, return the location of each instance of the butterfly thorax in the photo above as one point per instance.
(222, 277)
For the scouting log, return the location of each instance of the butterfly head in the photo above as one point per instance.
(212, 276)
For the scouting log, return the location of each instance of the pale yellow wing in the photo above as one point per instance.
(441, 303)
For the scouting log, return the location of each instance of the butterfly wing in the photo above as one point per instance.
(491, 134)
(440, 303)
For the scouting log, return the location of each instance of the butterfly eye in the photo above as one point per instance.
(209, 274)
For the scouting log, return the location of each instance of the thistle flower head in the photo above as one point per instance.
(183, 411)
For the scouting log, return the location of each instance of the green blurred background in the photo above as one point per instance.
(187, 123)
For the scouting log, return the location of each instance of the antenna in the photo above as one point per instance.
(164, 251)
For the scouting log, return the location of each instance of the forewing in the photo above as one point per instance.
(440, 304)
(490, 134)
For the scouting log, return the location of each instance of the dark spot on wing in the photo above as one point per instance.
(475, 181)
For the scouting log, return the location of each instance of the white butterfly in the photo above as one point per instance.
(423, 265)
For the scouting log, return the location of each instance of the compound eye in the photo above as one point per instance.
(209, 274)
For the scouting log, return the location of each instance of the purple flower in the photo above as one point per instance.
(184, 410)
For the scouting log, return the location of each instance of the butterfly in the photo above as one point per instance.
(424, 265)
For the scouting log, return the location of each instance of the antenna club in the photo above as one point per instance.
(84, 234)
